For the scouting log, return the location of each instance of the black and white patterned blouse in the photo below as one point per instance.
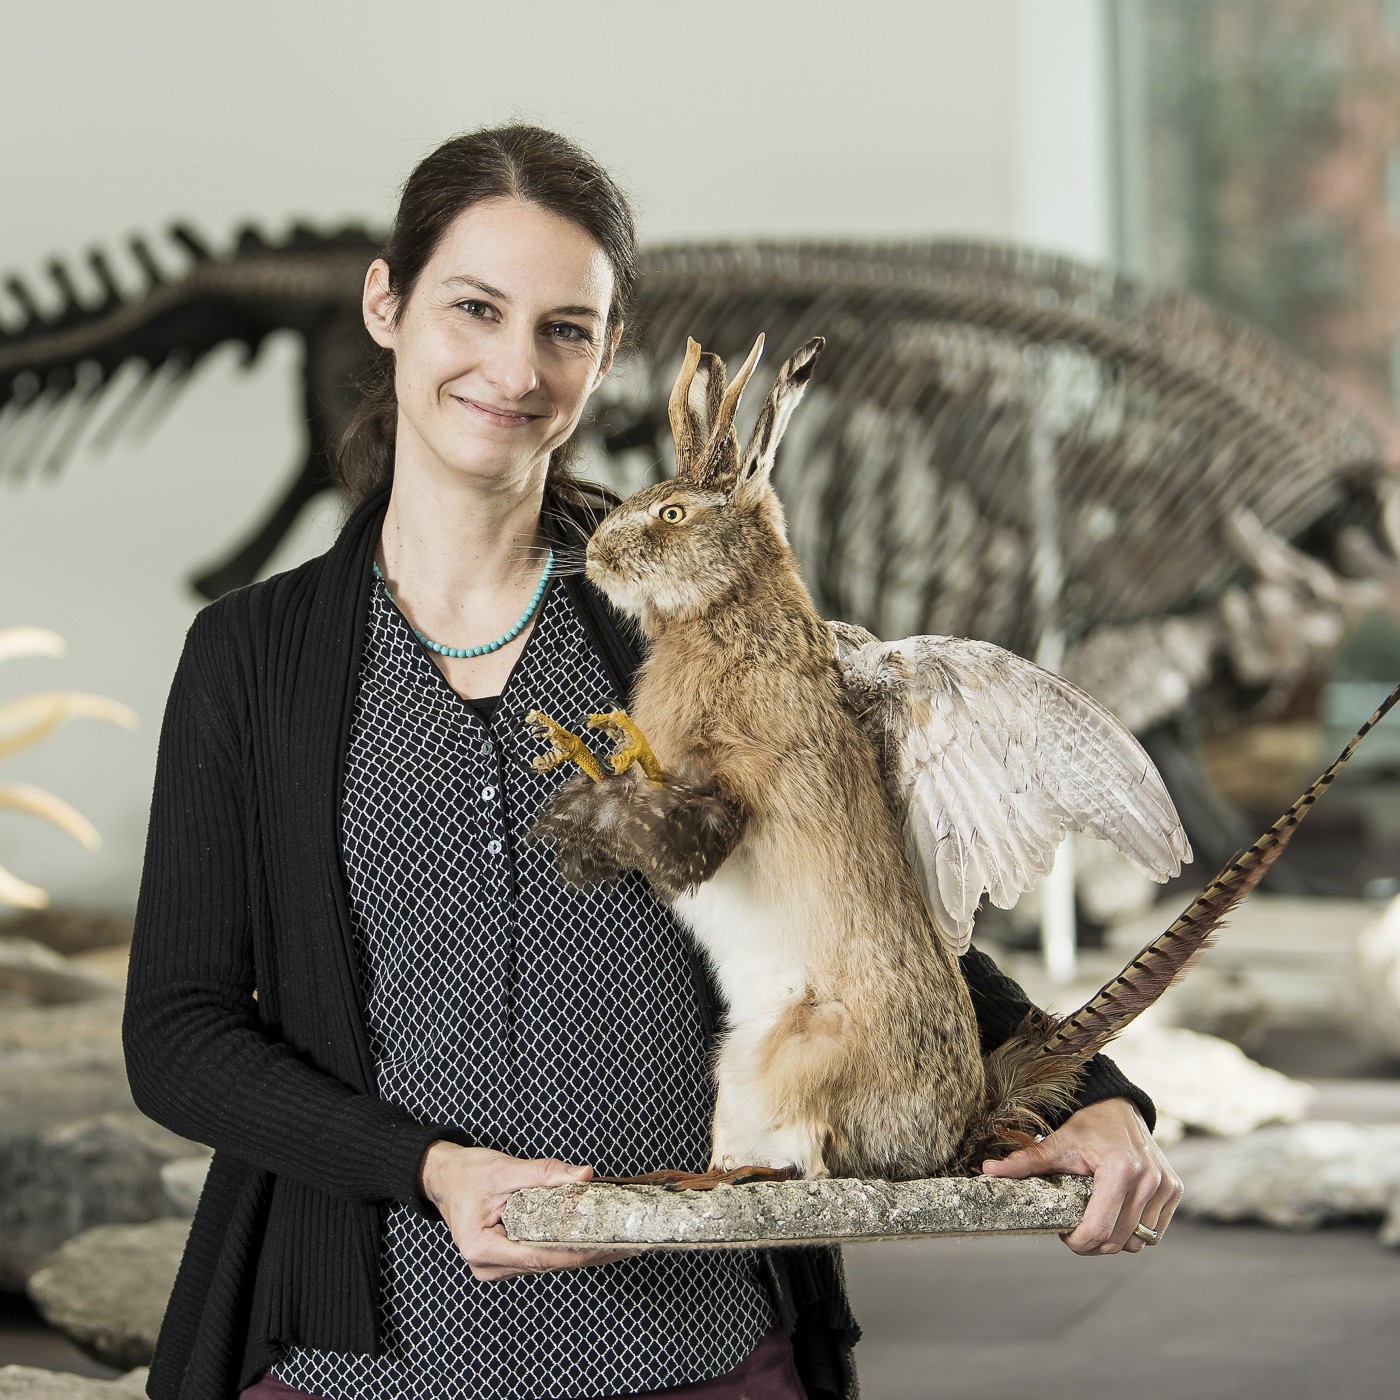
(541, 1019)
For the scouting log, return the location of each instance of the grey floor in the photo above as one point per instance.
(1214, 1313)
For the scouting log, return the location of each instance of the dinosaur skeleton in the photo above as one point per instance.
(1207, 503)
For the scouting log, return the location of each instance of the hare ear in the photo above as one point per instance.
(783, 397)
(718, 463)
(694, 404)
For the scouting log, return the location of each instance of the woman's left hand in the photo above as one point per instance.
(1133, 1181)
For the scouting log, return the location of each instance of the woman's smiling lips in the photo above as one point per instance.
(498, 417)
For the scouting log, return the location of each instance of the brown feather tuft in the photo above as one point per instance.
(1026, 1092)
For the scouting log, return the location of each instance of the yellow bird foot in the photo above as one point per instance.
(564, 747)
(630, 746)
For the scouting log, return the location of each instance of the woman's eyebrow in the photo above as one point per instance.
(461, 280)
(577, 311)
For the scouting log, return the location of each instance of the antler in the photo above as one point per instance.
(678, 408)
(702, 409)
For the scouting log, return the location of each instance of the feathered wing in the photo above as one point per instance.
(990, 760)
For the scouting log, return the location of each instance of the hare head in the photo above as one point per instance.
(673, 551)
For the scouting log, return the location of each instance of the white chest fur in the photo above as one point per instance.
(754, 940)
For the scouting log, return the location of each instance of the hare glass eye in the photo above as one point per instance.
(672, 514)
(499, 343)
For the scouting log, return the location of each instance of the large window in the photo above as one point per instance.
(1260, 165)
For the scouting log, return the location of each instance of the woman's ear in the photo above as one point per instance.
(378, 304)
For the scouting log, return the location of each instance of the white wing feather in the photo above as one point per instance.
(990, 760)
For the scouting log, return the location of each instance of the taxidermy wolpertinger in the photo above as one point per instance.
(824, 811)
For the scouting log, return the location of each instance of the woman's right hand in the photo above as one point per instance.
(470, 1186)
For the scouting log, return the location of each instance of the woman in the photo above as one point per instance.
(353, 980)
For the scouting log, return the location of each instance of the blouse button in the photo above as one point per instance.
(494, 847)
(487, 793)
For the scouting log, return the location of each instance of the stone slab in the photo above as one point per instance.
(107, 1288)
(773, 1214)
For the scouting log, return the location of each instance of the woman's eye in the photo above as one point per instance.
(566, 330)
(478, 309)
(672, 515)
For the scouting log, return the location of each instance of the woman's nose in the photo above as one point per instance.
(512, 369)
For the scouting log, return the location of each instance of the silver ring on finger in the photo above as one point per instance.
(1146, 1233)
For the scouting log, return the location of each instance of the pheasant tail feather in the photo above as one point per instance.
(1167, 957)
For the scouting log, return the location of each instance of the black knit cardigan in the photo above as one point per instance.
(244, 1027)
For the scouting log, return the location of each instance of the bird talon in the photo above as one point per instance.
(564, 747)
(630, 744)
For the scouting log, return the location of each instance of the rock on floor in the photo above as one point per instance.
(74, 1152)
(183, 1180)
(45, 977)
(1375, 985)
(27, 1026)
(35, 1383)
(1297, 1177)
(795, 1212)
(69, 928)
(107, 1288)
(1202, 1082)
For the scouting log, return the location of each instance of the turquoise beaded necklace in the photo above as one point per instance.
(509, 635)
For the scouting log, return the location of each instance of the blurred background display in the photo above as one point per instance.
(1257, 161)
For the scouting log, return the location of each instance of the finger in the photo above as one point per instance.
(1115, 1205)
(512, 1175)
(1095, 1228)
(1016, 1165)
(1160, 1209)
(1040, 1159)
(587, 1258)
(1144, 1181)
(1024, 1162)
(550, 1171)
(1169, 1211)
(541, 1261)
(494, 1249)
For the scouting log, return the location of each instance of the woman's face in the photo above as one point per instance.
(500, 343)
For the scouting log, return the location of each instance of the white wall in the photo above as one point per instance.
(890, 117)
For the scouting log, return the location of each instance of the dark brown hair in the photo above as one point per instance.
(521, 162)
